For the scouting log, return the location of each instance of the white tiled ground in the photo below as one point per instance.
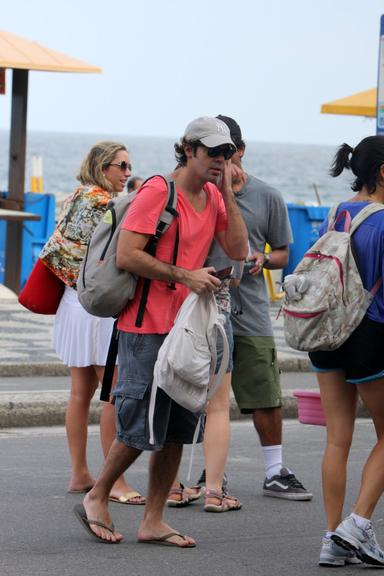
(26, 337)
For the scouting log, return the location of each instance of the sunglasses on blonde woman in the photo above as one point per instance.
(124, 166)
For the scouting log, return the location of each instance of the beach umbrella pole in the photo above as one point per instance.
(16, 177)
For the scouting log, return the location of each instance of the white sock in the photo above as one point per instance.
(328, 533)
(361, 522)
(273, 459)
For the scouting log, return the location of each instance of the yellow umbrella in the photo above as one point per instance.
(360, 104)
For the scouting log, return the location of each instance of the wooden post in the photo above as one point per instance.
(16, 177)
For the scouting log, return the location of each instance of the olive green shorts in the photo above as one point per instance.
(255, 376)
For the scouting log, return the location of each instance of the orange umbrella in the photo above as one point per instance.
(23, 55)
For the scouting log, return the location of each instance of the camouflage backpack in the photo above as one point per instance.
(325, 299)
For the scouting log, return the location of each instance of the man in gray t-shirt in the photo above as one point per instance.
(255, 377)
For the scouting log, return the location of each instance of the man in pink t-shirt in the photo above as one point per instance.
(206, 209)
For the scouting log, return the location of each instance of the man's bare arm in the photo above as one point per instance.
(278, 258)
(233, 240)
(131, 256)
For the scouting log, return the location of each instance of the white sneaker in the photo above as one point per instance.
(331, 554)
(349, 536)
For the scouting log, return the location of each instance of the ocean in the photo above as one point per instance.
(293, 169)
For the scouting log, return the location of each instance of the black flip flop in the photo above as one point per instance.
(81, 515)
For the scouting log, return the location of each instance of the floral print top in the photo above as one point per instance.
(65, 250)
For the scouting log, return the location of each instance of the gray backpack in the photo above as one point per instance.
(102, 287)
(325, 299)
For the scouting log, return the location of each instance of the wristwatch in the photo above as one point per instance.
(267, 258)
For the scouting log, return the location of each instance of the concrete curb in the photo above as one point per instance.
(286, 363)
(34, 369)
(26, 409)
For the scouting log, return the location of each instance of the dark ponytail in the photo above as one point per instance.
(365, 162)
(341, 160)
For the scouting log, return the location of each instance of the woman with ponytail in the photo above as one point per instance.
(356, 369)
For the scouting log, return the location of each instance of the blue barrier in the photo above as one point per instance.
(305, 223)
(35, 233)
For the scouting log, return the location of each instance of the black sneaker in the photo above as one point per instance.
(224, 486)
(201, 482)
(285, 485)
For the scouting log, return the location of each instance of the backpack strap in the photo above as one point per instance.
(331, 215)
(347, 221)
(333, 220)
(110, 364)
(371, 208)
(163, 224)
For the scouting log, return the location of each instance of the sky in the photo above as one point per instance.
(270, 64)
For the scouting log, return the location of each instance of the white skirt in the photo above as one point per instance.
(79, 338)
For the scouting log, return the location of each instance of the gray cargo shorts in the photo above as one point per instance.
(172, 423)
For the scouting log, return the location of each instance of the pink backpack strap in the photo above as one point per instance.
(347, 221)
(376, 286)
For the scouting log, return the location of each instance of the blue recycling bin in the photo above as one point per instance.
(35, 233)
(305, 223)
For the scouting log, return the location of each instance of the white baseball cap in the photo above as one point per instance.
(209, 131)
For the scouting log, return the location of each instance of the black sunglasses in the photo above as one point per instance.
(122, 165)
(226, 151)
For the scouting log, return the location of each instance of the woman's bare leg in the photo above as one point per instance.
(217, 436)
(339, 404)
(108, 435)
(84, 384)
(372, 481)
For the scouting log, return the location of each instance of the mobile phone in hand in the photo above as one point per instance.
(224, 273)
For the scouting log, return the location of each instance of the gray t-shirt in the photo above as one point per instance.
(266, 217)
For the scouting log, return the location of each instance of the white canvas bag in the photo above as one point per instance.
(186, 362)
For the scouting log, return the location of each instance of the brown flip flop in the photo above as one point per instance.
(164, 540)
(81, 491)
(81, 515)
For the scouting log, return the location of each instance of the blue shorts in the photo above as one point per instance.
(360, 357)
(172, 423)
(219, 345)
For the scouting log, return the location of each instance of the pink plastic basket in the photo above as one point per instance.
(309, 407)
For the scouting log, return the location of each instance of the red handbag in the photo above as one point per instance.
(42, 291)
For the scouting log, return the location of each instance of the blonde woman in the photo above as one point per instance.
(81, 340)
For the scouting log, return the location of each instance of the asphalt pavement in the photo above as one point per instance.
(40, 535)
(34, 384)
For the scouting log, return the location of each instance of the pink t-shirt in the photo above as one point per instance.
(196, 232)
